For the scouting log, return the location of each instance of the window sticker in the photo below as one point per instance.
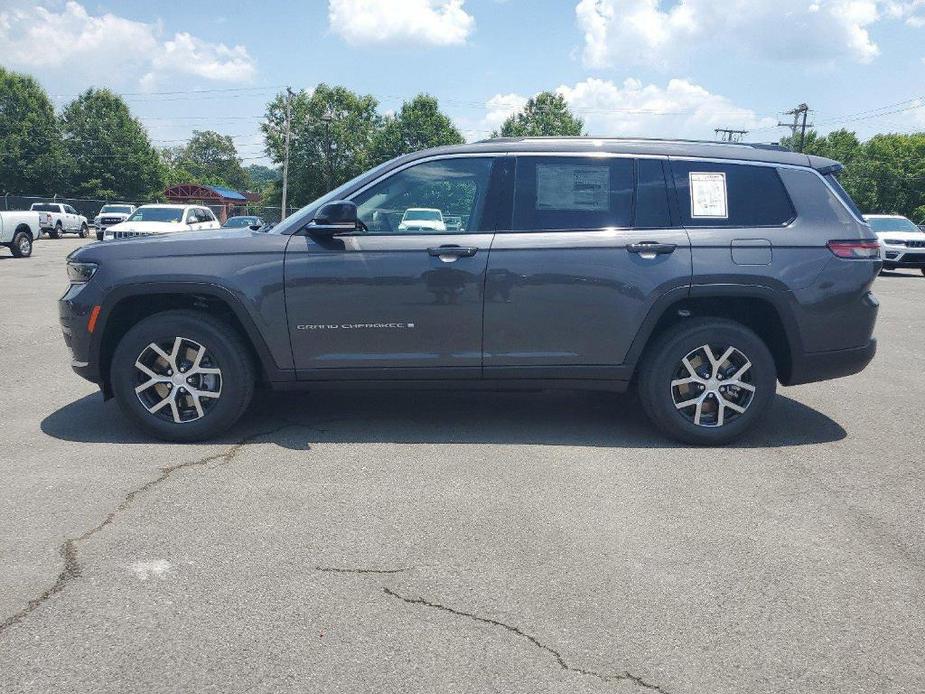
(708, 195)
(573, 187)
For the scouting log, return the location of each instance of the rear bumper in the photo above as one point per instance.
(822, 366)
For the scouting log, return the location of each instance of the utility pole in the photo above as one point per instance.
(326, 118)
(286, 158)
(730, 135)
(800, 112)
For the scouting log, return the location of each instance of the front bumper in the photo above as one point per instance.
(894, 258)
(74, 310)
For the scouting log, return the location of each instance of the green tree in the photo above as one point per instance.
(108, 152)
(31, 154)
(332, 131)
(546, 114)
(208, 157)
(261, 177)
(419, 125)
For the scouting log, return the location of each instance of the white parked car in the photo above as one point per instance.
(422, 219)
(19, 228)
(902, 243)
(163, 219)
(64, 220)
(110, 215)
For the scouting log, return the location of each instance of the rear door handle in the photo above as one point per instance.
(453, 251)
(651, 248)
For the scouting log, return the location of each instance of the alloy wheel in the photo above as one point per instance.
(177, 381)
(711, 391)
(25, 245)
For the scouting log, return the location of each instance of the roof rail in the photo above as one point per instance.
(668, 140)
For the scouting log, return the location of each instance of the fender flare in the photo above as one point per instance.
(113, 298)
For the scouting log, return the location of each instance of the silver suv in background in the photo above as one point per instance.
(110, 215)
(903, 242)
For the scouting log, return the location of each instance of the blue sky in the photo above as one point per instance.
(628, 67)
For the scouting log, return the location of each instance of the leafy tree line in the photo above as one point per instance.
(885, 174)
(96, 148)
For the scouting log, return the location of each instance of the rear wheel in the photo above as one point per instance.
(21, 245)
(182, 375)
(83, 231)
(57, 232)
(707, 381)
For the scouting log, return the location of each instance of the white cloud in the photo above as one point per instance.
(662, 33)
(415, 22)
(632, 109)
(110, 49)
(213, 61)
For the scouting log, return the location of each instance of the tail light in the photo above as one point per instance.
(855, 250)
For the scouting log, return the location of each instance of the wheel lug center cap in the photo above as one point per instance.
(179, 379)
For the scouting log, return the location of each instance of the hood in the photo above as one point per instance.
(150, 227)
(901, 235)
(191, 243)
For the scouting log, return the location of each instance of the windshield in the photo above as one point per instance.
(423, 215)
(303, 216)
(44, 207)
(235, 222)
(891, 224)
(157, 214)
(116, 209)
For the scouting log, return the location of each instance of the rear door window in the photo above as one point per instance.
(740, 195)
(562, 193)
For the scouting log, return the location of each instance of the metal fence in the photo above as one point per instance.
(90, 207)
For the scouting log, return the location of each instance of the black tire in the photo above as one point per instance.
(661, 365)
(83, 231)
(228, 352)
(57, 232)
(21, 245)
(99, 234)
(923, 270)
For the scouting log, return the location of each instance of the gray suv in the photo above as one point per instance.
(701, 273)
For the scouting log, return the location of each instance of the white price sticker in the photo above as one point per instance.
(708, 195)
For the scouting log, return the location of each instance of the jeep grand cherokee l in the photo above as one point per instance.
(701, 273)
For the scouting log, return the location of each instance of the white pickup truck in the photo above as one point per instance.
(18, 229)
(64, 219)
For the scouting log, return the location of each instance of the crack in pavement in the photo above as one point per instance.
(334, 569)
(68, 549)
(624, 676)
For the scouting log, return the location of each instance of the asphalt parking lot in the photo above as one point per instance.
(458, 542)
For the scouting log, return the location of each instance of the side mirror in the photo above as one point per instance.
(334, 218)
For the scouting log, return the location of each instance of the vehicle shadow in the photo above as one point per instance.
(541, 418)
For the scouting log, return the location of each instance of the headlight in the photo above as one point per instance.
(894, 242)
(80, 273)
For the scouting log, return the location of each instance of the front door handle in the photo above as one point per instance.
(452, 251)
(651, 248)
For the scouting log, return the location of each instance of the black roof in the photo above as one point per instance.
(774, 154)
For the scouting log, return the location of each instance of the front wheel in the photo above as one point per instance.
(707, 381)
(21, 246)
(182, 375)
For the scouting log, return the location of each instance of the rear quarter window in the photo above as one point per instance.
(736, 195)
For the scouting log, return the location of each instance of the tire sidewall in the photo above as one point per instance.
(224, 346)
(656, 381)
(58, 231)
(17, 249)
